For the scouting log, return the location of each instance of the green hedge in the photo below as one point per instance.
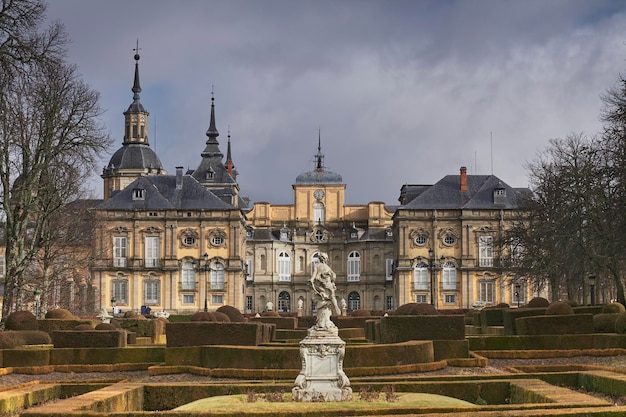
(89, 356)
(605, 323)
(565, 324)
(395, 329)
(286, 323)
(509, 316)
(89, 338)
(548, 342)
(201, 333)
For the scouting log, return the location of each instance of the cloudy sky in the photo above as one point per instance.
(402, 91)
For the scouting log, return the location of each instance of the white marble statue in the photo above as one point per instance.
(323, 285)
(104, 316)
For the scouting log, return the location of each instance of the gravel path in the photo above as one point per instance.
(494, 366)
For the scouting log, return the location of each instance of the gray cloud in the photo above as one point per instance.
(403, 91)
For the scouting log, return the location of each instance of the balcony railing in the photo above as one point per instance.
(485, 262)
(188, 286)
(120, 262)
(152, 262)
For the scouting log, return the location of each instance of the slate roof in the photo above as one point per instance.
(447, 194)
(135, 156)
(161, 194)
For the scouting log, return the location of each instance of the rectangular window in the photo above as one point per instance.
(152, 290)
(120, 292)
(487, 292)
(189, 299)
(389, 269)
(420, 279)
(449, 299)
(152, 251)
(217, 299)
(153, 214)
(249, 269)
(421, 299)
(485, 251)
(248, 304)
(389, 302)
(134, 131)
(138, 193)
(448, 278)
(120, 251)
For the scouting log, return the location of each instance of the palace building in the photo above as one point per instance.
(190, 241)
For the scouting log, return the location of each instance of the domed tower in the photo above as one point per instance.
(319, 194)
(135, 158)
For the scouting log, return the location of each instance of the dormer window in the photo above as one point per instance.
(285, 234)
(499, 196)
(139, 193)
(210, 174)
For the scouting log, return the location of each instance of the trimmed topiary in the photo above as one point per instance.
(233, 314)
(84, 326)
(35, 337)
(60, 313)
(416, 309)
(502, 305)
(271, 313)
(559, 308)
(21, 320)
(620, 323)
(202, 316)
(361, 313)
(221, 317)
(133, 315)
(105, 326)
(538, 302)
(613, 308)
(6, 342)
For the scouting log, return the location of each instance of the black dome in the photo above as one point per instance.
(135, 156)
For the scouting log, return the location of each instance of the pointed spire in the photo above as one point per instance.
(229, 159)
(319, 158)
(136, 87)
(212, 133)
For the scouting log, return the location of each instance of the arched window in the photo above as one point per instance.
(217, 276)
(284, 267)
(420, 277)
(354, 301)
(284, 302)
(319, 212)
(354, 266)
(314, 261)
(188, 277)
(449, 276)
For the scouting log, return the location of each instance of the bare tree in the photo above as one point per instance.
(49, 132)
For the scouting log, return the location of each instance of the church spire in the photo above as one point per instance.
(229, 159)
(136, 87)
(212, 133)
(319, 157)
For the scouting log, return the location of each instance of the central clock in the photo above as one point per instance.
(318, 194)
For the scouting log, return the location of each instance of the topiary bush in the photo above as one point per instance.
(620, 323)
(105, 326)
(559, 308)
(35, 337)
(6, 342)
(538, 302)
(613, 308)
(60, 313)
(416, 309)
(502, 305)
(361, 313)
(233, 314)
(271, 313)
(210, 316)
(132, 315)
(21, 320)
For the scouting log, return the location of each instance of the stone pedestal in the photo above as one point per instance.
(322, 377)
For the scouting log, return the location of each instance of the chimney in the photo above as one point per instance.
(179, 178)
(463, 179)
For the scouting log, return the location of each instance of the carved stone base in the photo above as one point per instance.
(322, 377)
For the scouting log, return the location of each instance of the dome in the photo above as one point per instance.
(319, 176)
(135, 156)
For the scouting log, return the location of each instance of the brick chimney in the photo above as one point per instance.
(463, 179)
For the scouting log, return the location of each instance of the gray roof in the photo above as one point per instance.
(161, 194)
(135, 156)
(319, 176)
(447, 194)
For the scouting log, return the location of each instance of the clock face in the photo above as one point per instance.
(319, 194)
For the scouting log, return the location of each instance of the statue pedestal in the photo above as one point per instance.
(322, 377)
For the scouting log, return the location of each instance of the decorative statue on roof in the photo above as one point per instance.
(323, 285)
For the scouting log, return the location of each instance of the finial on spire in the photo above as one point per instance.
(319, 165)
(212, 133)
(136, 87)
